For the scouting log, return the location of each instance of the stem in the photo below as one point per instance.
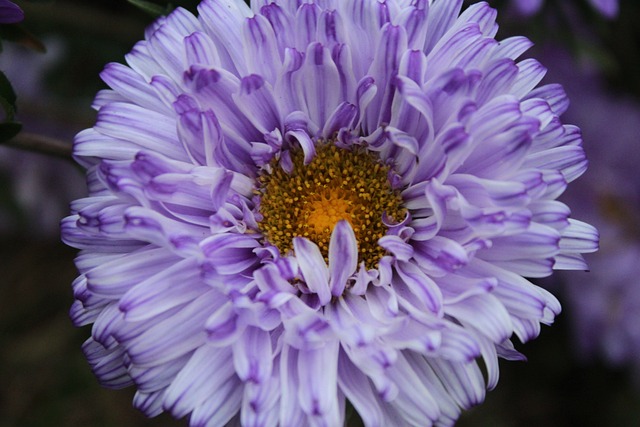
(41, 144)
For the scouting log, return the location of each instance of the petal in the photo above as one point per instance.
(253, 355)
(318, 73)
(313, 268)
(223, 21)
(318, 376)
(201, 50)
(207, 370)
(172, 287)
(175, 336)
(257, 102)
(141, 128)
(112, 279)
(133, 87)
(579, 237)
(343, 256)
(420, 285)
(261, 48)
(360, 392)
(290, 411)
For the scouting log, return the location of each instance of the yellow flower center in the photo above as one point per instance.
(350, 184)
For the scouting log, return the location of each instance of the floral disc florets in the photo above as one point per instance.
(338, 184)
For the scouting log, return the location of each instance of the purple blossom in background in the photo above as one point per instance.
(292, 206)
(10, 13)
(36, 179)
(608, 8)
(604, 305)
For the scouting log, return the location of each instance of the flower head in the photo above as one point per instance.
(298, 204)
(10, 13)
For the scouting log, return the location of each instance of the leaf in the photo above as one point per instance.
(7, 99)
(8, 130)
(153, 9)
(6, 91)
(18, 34)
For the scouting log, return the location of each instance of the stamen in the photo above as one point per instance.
(338, 184)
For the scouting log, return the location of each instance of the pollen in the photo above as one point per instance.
(338, 184)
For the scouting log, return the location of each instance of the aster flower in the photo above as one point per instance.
(607, 8)
(10, 13)
(293, 206)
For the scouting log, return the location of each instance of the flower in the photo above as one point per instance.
(10, 13)
(607, 8)
(297, 205)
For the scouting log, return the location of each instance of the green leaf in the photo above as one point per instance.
(7, 92)
(153, 9)
(8, 130)
(7, 98)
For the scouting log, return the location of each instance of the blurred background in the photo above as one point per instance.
(585, 370)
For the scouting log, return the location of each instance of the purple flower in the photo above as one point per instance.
(295, 205)
(608, 8)
(10, 13)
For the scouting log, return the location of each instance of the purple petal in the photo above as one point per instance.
(579, 237)
(420, 285)
(160, 292)
(224, 327)
(342, 117)
(130, 123)
(10, 13)
(401, 250)
(261, 49)
(252, 355)
(207, 370)
(223, 21)
(530, 73)
(133, 87)
(317, 373)
(220, 406)
(318, 73)
(313, 268)
(257, 102)
(497, 80)
(280, 21)
(166, 43)
(343, 256)
(360, 392)
(214, 90)
(306, 21)
(384, 68)
(201, 50)
(290, 411)
(174, 336)
(149, 404)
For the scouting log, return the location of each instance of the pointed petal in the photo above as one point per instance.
(343, 256)
(313, 268)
